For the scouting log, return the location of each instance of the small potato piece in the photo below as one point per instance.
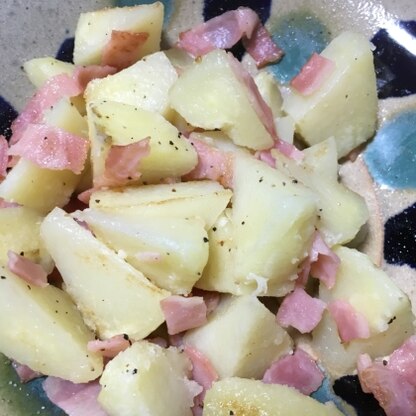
(145, 85)
(42, 328)
(242, 397)
(345, 106)
(113, 297)
(39, 70)
(171, 252)
(252, 337)
(319, 172)
(149, 380)
(269, 90)
(273, 221)
(19, 231)
(201, 199)
(94, 30)
(121, 124)
(372, 293)
(209, 95)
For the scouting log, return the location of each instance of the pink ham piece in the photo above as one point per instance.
(313, 74)
(7, 204)
(298, 370)
(224, 31)
(84, 74)
(123, 48)
(48, 95)
(403, 360)
(301, 311)
(110, 347)
(183, 313)
(51, 148)
(211, 299)
(74, 399)
(25, 373)
(395, 392)
(4, 157)
(122, 164)
(321, 263)
(351, 324)
(27, 270)
(212, 164)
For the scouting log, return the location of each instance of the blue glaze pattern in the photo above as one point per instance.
(400, 238)
(299, 34)
(7, 115)
(66, 51)
(349, 389)
(326, 394)
(391, 156)
(395, 59)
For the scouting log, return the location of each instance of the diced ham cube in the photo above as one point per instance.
(27, 270)
(110, 347)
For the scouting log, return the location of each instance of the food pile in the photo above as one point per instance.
(168, 247)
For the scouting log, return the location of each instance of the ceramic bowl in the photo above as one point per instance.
(384, 173)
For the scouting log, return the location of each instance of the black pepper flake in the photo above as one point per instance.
(97, 201)
(173, 190)
(199, 273)
(171, 142)
(391, 320)
(134, 371)
(3, 277)
(221, 243)
(231, 413)
(29, 287)
(179, 135)
(295, 181)
(261, 180)
(205, 240)
(214, 229)
(176, 148)
(243, 222)
(284, 183)
(384, 362)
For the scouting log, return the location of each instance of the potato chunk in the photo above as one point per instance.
(94, 30)
(241, 338)
(319, 172)
(171, 252)
(273, 220)
(209, 95)
(113, 297)
(345, 107)
(242, 397)
(372, 293)
(42, 328)
(146, 379)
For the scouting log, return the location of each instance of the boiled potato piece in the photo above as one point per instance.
(94, 30)
(171, 155)
(273, 221)
(252, 337)
(38, 188)
(345, 107)
(19, 230)
(113, 297)
(41, 328)
(171, 252)
(39, 70)
(201, 199)
(242, 397)
(218, 273)
(209, 95)
(319, 171)
(145, 85)
(269, 90)
(372, 293)
(146, 379)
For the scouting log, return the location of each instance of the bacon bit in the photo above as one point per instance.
(224, 31)
(212, 163)
(322, 263)
(403, 360)
(27, 270)
(261, 47)
(48, 95)
(74, 399)
(298, 370)
(109, 347)
(4, 157)
(183, 313)
(351, 324)
(25, 373)
(123, 48)
(7, 204)
(313, 74)
(301, 311)
(122, 164)
(84, 74)
(52, 148)
(85, 196)
(211, 299)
